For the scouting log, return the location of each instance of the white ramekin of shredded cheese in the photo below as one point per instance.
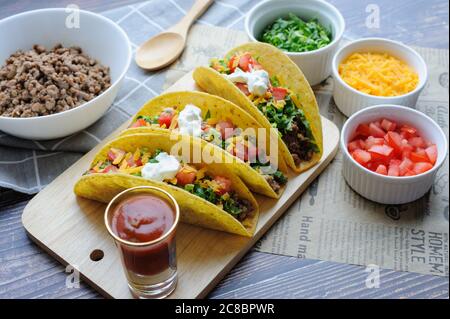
(402, 65)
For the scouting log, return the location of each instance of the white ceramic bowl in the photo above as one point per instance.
(98, 36)
(388, 189)
(350, 100)
(316, 65)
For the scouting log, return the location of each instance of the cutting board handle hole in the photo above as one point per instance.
(97, 255)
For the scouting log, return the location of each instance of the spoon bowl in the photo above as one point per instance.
(160, 51)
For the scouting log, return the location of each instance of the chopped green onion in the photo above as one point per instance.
(292, 34)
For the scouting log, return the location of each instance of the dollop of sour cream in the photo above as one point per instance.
(166, 168)
(190, 121)
(257, 80)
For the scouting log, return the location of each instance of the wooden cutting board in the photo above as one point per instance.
(71, 229)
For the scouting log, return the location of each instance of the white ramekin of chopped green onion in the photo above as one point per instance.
(308, 31)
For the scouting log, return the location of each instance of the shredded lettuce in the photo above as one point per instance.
(292, 34)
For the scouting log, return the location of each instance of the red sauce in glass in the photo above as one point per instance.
(140, 219)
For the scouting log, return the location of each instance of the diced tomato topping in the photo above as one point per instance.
(404, 135)
(406, 145)
(432, 152)
(225, 128)
(139, 123)
(376, 131)
(418, 157)
(243, 87)
(394, 162)
(233, 63)
(362, 144)
(408, 131)
(394, 170)
(372, 165)
(380, 152)
(381, 169)
(279, 93)
(362, 157)
(131, 162)
(405, 165)
(371, 141)
(407, 149)
(388, 148)
(355, 145)
(388, 125)
(422, 167)
(165, 118)
(363, 130)
(421, 151)
(224, 185)
(406, 154)
(409, 173)
(417, 142)
(110, 168)
(245, 61)
(113, 153)
(394, 140)
(186, 175)
(134, 163)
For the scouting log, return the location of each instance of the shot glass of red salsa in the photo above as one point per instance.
(143, 221)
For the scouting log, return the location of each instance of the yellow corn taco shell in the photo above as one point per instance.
(220, 109)
(194, 209)
(276, 63)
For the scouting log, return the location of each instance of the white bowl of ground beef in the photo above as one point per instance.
(37, 111)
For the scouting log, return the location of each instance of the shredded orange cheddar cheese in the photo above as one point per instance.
(378, 74)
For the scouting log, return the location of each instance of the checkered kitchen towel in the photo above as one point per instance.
(27, 166)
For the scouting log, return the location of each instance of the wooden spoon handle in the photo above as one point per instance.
(197, 10)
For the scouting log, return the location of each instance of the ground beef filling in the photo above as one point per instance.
(40, 82)
(298, 144)
(246, 207)
(273, 183)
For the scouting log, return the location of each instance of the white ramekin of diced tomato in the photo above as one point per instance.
(392, 153)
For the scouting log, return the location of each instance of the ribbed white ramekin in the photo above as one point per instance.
(388, 189)
(350, 100)
(315, 65)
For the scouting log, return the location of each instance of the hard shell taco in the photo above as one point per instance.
(209, 195)
(218, 123)
(270, 87)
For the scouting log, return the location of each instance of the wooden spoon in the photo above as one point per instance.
(166, 47)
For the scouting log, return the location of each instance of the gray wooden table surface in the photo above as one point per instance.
(27, 272)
